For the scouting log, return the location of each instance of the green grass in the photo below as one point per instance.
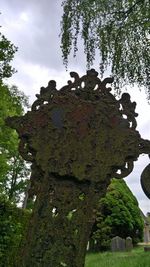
(136, 258)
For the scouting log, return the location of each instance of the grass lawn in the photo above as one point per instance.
(136, 258)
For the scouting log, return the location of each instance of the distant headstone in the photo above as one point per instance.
(117, 244)
(147, 249)
(129, 244)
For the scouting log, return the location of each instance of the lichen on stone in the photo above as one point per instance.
(77, 138)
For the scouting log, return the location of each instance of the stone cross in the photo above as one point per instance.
(77, 138)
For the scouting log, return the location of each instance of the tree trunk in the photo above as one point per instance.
(60, 226)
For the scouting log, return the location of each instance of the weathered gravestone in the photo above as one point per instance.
(147, 248)
(77, 139)
(118, 244)
(129, 244)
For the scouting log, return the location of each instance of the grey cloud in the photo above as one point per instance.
(39, 42)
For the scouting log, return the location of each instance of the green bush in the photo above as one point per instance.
(13, 221)
(118, 215)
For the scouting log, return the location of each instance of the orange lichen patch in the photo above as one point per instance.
(82, 113)
(40, 119)
(82, 130)
(114, 121)
(81, 117)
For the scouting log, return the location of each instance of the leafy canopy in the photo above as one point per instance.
(13, 222)
(118, 29)
(118, 215)
(7, 51)
(13, 169)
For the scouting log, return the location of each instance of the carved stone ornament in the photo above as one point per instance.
(145, 181)
(77, 138)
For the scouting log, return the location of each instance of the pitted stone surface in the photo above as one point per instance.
(75, 130)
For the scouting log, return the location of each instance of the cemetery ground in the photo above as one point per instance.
(136, 258)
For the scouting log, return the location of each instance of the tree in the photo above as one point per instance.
(118, 29)
(7, 51)
(13, 223)
(13, 169)
(118, 215)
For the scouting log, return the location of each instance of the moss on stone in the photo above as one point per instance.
(77, 140)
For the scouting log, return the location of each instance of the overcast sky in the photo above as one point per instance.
(34, 27)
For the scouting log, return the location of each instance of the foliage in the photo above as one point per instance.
(136, 258)
(7, 50)
(13, 222)
(13, 169)
(118, 215)
(118, 29)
